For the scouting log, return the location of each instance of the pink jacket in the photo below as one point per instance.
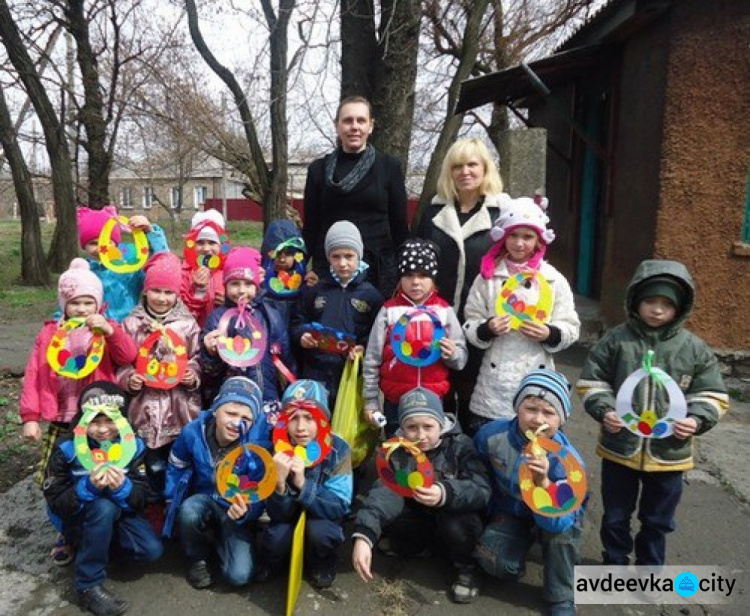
(47, 396)
(200, 306)
(158, 415)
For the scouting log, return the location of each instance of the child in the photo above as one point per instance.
(158, 415)
(447, 512)
(285, 263)
(206, 521)
(202, 289)
(418, 267)
(659, 300)
(521, 237)
(342, 300)
(324, 491)
(543, 397)
(241, 282)
(103, 505)
(121, 291)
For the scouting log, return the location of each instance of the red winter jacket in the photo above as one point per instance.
(47, 396)
(397, 377)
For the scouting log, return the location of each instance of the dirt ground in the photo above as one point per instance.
(18, 458)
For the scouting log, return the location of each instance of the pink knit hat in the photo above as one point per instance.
(163, 271)
(242, 264)
(91, 222)
(79, 281)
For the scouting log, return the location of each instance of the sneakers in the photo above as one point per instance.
(322, 578)
(199, 576)
(466, 587)
(101, 602)
(63, 553)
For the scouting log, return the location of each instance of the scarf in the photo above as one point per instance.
(360, 170)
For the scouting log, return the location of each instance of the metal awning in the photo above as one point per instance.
(513, 84)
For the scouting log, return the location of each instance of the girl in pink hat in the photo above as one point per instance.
(121, 291)
(521, 237)
(159, 409)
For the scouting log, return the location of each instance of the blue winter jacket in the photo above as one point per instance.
(351, 309)
(327, 493)
(123, 291)
(191, 469)
(500, 444)
(264, 372)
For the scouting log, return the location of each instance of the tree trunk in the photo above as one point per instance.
(34, 270)
(382, 68)
(64, 240)
(92, 111)
(453, 121)
(274, 205)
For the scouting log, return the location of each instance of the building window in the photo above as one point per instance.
(126, 198)
(200, 194)
(176, 198)
(148, 197)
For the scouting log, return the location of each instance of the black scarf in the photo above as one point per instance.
(360, 170)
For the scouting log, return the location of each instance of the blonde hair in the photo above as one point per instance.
(460, 152)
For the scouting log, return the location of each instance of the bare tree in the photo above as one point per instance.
(64, 245)
(267, 185)
(34, 270)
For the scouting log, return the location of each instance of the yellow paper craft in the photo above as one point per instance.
(526, 297)
(296, 563)
(123, 258)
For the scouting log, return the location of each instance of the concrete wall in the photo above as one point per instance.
(704, 166)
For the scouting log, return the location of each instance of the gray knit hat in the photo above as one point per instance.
(344, 234)
(550, 386)
(420, 401)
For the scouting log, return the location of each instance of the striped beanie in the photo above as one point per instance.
(550, 386)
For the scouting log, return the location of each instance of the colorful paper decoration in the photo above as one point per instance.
(211, 261)
(248, 345)
(416, 336)
(125, 257)
(117, 454)
(404, 481)
(233, 478)
(296, 563)
(74, 351)
(331, 340)
(526, 297)
(316, 450)
(165, 372)
(560, 497)
(648, 424)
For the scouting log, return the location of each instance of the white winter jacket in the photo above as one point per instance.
(508, 358)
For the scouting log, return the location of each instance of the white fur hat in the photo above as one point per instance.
(523, 212)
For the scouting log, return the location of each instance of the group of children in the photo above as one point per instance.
(236, 325)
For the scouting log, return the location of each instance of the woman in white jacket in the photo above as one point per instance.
(515, 346)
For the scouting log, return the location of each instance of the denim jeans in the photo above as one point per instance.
(203, 524)
(98, 523)
(660, 494)
(322, 541)
(505, 543)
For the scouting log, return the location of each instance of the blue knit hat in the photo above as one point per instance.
(242, 390)
(550, 386)
(307, 389)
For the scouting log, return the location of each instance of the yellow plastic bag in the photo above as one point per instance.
(348, 419)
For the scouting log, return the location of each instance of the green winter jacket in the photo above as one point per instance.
(681, 354)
